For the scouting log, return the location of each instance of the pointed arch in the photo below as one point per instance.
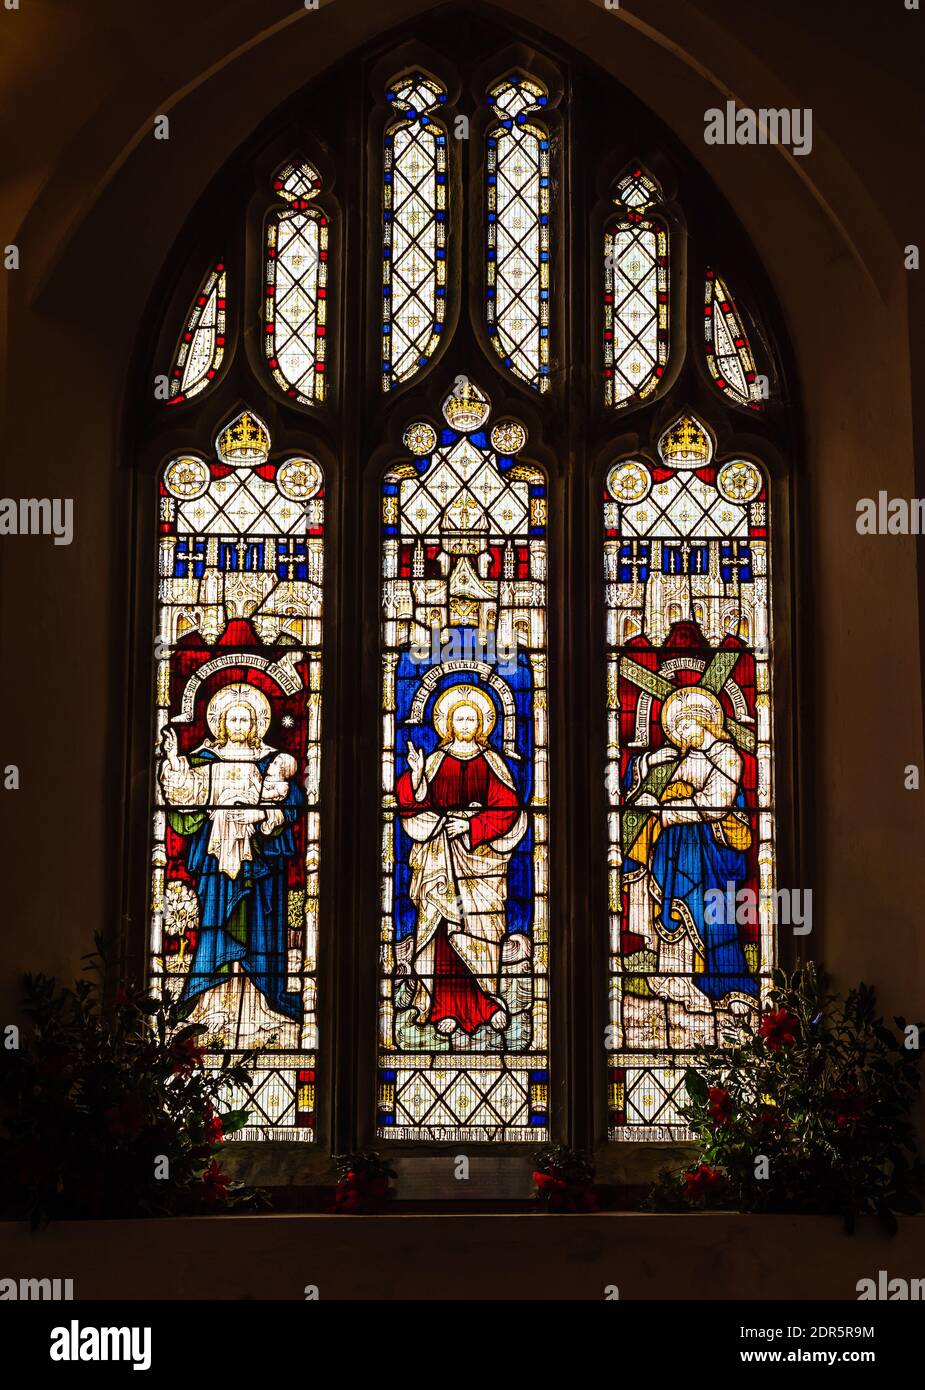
(519, 230)
(730, 360)
(295, 285)
(415, 210)
(201, 346)
(637, 304)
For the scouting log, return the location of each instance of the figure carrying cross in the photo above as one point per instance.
(685, 832)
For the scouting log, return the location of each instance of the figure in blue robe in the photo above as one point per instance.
(688, 861)
(243, 918)
(687, 826)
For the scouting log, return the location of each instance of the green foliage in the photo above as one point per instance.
(564, 1180)
(811, 1114)
(367, 1161)
(107, 1111)
(363, 1183)
(572, 1165)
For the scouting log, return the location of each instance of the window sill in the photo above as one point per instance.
(718, 1255)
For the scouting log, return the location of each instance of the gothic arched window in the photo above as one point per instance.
(446, 458)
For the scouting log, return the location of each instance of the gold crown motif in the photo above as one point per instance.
(246, 441)
(686, 444)
(466, 408)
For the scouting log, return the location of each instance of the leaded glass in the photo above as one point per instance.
(234, 926)
(199, 352)
(463, 1025)
(689, 767)
(414, 225)
(295, 286)
(636, 293)
(518, 230)
(729, 354)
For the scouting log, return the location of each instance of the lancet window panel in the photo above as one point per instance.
(689, 775)
(519, 231)
(236, 832)
(730, 359)
(296, 286)
(636, 293)
(201, 347)
(463, 1012)
(414, 227)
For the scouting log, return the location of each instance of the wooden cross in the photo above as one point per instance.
(658, 777)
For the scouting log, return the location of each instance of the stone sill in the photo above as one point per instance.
(719, 1255)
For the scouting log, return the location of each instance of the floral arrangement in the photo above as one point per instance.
(811, 1113)
(564, 1180)
(363, 1184)
(108, 1110)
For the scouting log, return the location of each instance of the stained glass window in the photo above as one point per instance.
(518, 230)
(236, 825)
(414, 227)
(636, 292)
(689, 766)
(295, 290)
(729, 353)
(201, 348)
(460, 909)
(463, 1027)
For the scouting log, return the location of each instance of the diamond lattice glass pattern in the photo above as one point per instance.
(518, 231)
(295, 296)
(414, 226)
(636, 294)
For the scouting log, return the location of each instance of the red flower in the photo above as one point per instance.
(848, 1103)
(361, 1192)
(719, 1102)
(779, 1029)
(559, 1195)
(701, 1181)
(215, 1184)
(187, 1055)
(214, 1132)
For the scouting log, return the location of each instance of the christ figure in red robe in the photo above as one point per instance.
(460, 808)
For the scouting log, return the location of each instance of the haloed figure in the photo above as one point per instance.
(236, 800)
(694, 841)
(460, 808)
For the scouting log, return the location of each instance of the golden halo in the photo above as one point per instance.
(679, 701)
(455, 695)
(239, 694)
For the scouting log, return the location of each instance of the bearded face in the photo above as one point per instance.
(465, 724)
